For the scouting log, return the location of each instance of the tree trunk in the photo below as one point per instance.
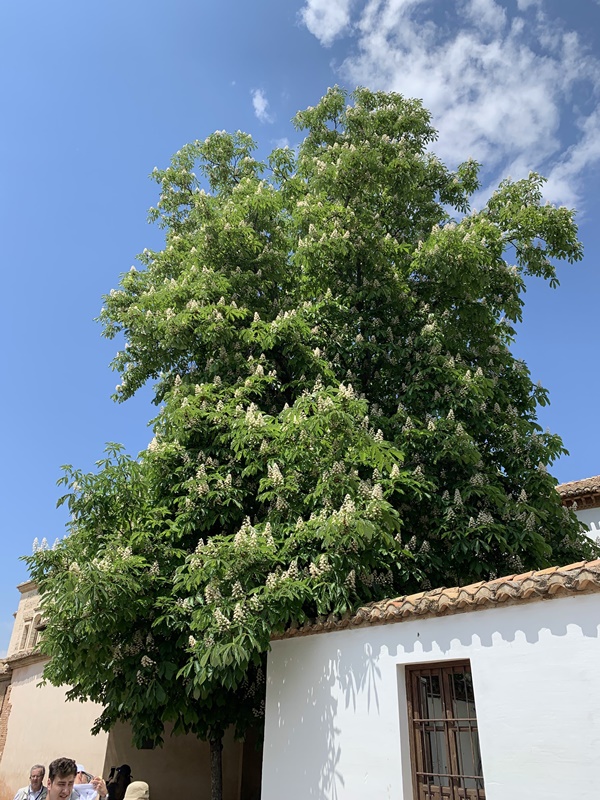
(216, 767)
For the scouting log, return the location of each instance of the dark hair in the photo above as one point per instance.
(63, 767)
(118, 781)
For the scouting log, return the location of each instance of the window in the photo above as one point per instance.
(35, 631)
(24, 637)
(443, 730)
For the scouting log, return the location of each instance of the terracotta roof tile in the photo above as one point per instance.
(530, 586)
(579, 488)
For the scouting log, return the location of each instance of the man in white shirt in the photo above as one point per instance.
(35, 790)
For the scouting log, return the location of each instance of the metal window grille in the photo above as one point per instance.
(443, 731)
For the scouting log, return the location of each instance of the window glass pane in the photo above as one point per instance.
(431, 701)
(463, 699)
(436, 755)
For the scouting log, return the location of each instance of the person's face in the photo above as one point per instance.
(36, 776)
(61, 787)
(81, 777)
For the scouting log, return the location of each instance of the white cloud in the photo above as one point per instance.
(523, 5)
(261, 105)
(500, 87)
(565, 175)
(326, 19)
(487, 15)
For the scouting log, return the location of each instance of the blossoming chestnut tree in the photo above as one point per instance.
(340, 419)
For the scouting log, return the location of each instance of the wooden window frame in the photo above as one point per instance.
(448, 725)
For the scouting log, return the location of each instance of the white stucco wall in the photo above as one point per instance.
(336, 723)
(591, 517)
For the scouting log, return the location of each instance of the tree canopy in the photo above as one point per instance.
(340, 416)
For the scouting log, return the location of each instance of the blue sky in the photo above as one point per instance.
(94, 95)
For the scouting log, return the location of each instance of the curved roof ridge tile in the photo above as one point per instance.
(581, 487)
(582, 577)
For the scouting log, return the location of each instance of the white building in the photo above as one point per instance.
(496, 684)
(584, 498)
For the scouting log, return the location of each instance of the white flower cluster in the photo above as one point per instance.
(202, 488)
(350, 580)
(226, 482)
(321, 567)
(325, 404)
(254, 417)
(103, 564)
(237, 591)
(142, 679)
(365, 489)
(212, 593)
(247, 533)
(478, 479)
(377, 492)
(484, 518)
(254, 602)
(221, 620)
(268, 534)
(153, 446)
(134, 647)
(274, 579)
(275, 475)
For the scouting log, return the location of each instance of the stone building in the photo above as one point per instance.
(38, 724)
